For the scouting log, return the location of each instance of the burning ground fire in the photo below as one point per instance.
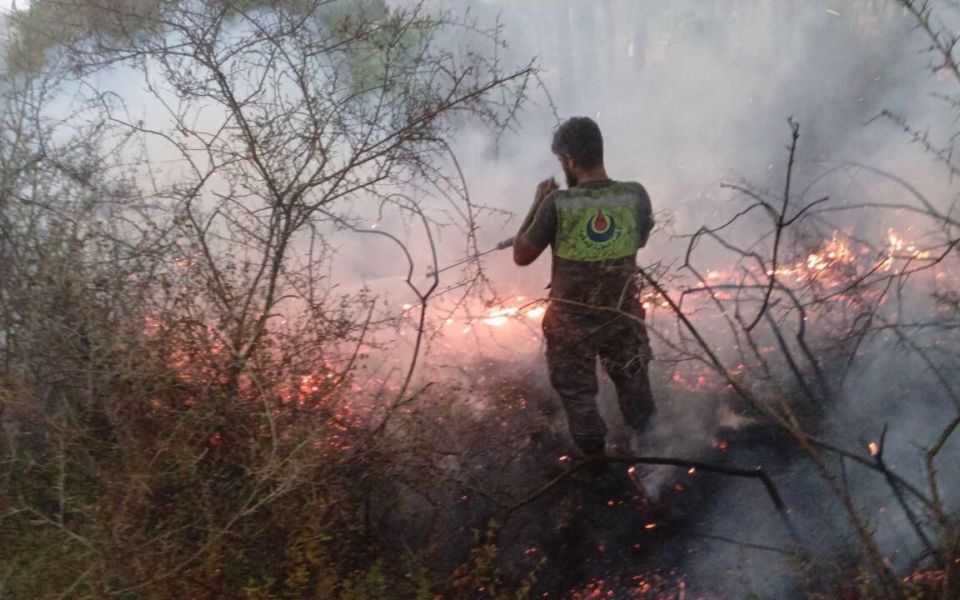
(495, 316)
(511, 325)
(824, 270)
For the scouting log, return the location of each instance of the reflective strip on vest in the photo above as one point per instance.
(597, 224)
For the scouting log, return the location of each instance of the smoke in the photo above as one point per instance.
(691, 94)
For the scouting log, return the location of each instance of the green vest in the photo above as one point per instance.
(598, 223)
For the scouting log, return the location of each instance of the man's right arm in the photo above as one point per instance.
(539, 227)
(524, 252)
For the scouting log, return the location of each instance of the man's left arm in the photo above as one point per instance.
(645, 212)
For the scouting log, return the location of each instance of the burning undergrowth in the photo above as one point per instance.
(466, 479)
(817, 353)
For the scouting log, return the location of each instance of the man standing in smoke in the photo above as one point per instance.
(595, 229)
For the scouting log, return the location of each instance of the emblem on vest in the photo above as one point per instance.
(601, 227)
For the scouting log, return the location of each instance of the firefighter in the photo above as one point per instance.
(594, 229)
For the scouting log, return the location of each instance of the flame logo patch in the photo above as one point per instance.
(601, 227)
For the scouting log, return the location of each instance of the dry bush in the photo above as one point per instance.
(784, 326)
(178, 393)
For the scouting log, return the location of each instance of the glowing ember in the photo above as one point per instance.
(536, 312)
(308, 384)
(897, 247)
(498, 317)
(834, 251)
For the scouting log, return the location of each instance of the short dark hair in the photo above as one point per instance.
(580, 139)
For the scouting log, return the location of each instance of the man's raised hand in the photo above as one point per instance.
(544, 188)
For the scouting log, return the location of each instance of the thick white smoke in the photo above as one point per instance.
(691, 94)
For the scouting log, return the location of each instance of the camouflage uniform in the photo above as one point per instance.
(595, 230)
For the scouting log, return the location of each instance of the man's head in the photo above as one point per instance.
(578, 144)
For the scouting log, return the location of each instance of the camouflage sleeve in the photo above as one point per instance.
(645, 214)
(543, 228)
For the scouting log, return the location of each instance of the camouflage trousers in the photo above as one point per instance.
(575, 339)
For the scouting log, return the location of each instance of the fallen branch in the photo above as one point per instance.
(755, 473)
